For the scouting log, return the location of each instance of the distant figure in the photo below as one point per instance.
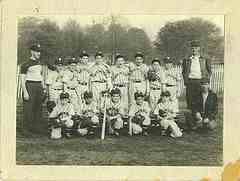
(205, 107)
(194, 69)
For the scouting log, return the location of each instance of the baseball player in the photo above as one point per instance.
(60, 118)
(156, 77)
(120, 74)
(166, 112)
(89, 115)
(115, 111)
(138, 77)
(100, 78)
(71, 83)
(83, 75)
(172, 81)
(54, 81)
(139, 114)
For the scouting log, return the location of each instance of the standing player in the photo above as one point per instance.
(120, 74)
(138, 77)
(156, 77)
(54, 81)
(83, 76)
(172, 81)
(100, 78)
(139, 115)
(33, 88)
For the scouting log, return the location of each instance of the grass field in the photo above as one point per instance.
(193, 149)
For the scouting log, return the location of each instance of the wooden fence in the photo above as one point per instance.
(216, 82)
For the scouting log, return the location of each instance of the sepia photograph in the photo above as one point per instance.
(120, 90)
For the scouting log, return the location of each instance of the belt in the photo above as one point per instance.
(83, 83)
(137, 81)
(71, 88)
(120, 85)
(155, 88)
(31, 81)
(99, 81)
(168, 85)
(57, 89)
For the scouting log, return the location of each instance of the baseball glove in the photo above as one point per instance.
(112, 111)
(151, 76)
(138, 118)
(50, 106)
(162, 113)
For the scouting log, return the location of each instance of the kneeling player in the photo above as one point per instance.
(166, 112)
(60, 118)
(115, 111)
(88, 112)
(139, 115)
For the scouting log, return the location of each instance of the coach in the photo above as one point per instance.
(194, 69)
(32, 86)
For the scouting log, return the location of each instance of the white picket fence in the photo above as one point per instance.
(216, 81)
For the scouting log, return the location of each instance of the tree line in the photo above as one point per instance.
(115, 37)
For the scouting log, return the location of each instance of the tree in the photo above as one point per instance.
(174, 39)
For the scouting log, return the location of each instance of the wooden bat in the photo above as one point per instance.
(104, 117)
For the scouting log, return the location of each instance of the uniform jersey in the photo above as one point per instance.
(54, 79)
(59, 108)
(172, 76)
(138, 73)
(139, 108)
(160, 79)
(83, 74)
(120, 75)
(85, 108)
(100, 72)
(117, 106)
(168, 107)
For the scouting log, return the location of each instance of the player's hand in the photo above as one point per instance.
(206, 120)
(25, 96)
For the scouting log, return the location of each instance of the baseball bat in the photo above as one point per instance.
(104, 117)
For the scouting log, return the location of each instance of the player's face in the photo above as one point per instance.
(99, 59)
(156, 65)
(138, 60)
(35, 54)
(205, 87)
(139, 100)
(85, 59)
(64, 101)
(196, 51)
(120, 62)
(115, 98)
(59, 67)
(73, 66)
(88, 100)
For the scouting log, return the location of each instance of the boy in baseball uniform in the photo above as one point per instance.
(139, 114)
(173, 78)
(89, 115)
(115, 112)
(156, 77)
(165, 113)
(138, 77)
(120, 73)
(60, 119)
(100, 78)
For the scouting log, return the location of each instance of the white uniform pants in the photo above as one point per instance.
(175, 130)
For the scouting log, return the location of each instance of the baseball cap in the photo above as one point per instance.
(139, 54)
(35, 47)
(115, 91)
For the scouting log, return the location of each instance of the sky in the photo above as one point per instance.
(150, 23)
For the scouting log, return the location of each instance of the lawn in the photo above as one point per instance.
(193, 149)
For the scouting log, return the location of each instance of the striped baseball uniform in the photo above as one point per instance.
(54, 81)
(138, 80)
(144, 110)
(156, 87)
(170, 108)
(83, 78)
(100, 79)
(172, 83)
(120, 81)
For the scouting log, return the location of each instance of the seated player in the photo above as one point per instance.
(60, 118)
(166, 112)
(205, 107)
(115, 111)
(140, 114)
(88, 113)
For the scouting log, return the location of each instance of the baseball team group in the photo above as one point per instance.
(85, 96)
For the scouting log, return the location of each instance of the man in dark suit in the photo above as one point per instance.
(194, 69)
(205, 107)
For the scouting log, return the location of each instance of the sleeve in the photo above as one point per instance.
(156, 110)
(71, 110)
(24, 68)
(121, 109)
(95, 110)
(54, 113)
(49, 79)
(132, 110)
(147, 108)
